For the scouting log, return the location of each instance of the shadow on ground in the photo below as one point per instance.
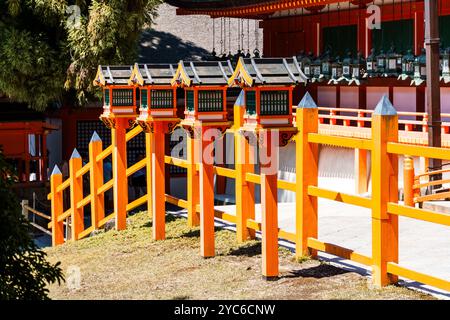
(321, 271)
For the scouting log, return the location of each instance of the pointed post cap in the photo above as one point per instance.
(240, 101)
(56, 170)
(307, 102)
(75, 154)
(95, 137)
(385, 107)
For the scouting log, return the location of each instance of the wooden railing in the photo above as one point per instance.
(383, 203)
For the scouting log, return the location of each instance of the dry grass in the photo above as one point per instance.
(129, 265)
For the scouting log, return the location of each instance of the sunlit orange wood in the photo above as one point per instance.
(206, 198)
(193, 183)
(408, 181)
(307, 161)
(384, 190)
(158, 178)
(56, 207)
(76, 195)
(148, 159)
(245, 190)
(119, 164)
(269, 208)
(96, 181)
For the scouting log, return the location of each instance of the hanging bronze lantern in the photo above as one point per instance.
(306, 64)
(394, 63)
(420, 69)
(381, 64)
(358, 68)
(336, 71)
(407, 66)
(316, 69)
(346, 66)
(371, 64)
(326, 64)
(446, 66)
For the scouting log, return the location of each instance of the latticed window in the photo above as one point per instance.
(122, 97)
(250, 102)
(274, 102)
(106, 97)
(144, 99)
(210, 101)
(182, 138)
(161, 99)
(190, 100)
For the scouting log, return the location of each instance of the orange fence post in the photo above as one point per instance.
(408, 181)
(206, 198)
(269, 207)
(56, 207)
(193, 182)
(307, 161)
(159, 181)
(119, 164)
(76, 194)
(96, 180)
(244, 190)
(148, 159)
(384, 190)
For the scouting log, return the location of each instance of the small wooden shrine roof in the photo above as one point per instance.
(153, 74)
(112, 75)
(190, 73)
(267, 71)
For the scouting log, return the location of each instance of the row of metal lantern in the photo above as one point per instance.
(390, 64)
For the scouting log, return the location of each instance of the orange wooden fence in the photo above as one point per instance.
(382, 141)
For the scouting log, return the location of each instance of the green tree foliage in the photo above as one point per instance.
(51, 48)
(24, 270)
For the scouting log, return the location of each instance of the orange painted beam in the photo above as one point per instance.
(206, 178)
(96, 181)
(193, 181)
(76, 195)
(384, 190)
(307, 162)
(159, 182)
(269, 207)
(56, 207)
(119, 164)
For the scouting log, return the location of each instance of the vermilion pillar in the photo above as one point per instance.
(269, 205)
(159, 181)
(119, 164)
(206, 197)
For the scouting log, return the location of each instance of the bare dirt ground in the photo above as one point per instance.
(130, 265)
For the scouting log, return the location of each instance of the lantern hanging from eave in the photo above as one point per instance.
(381, 64)
(371, 64)
(205, 85)
(326, 65)
(407, 66)
(358, 67)
(316, 66)
(306, 65)
(119, 97)
(336, 71)
(446, 66)
(393, 63)
(347, 67)
(158, 98)
(268, 84)
(420, 69)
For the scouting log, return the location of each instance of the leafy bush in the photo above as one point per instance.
(24, 270)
